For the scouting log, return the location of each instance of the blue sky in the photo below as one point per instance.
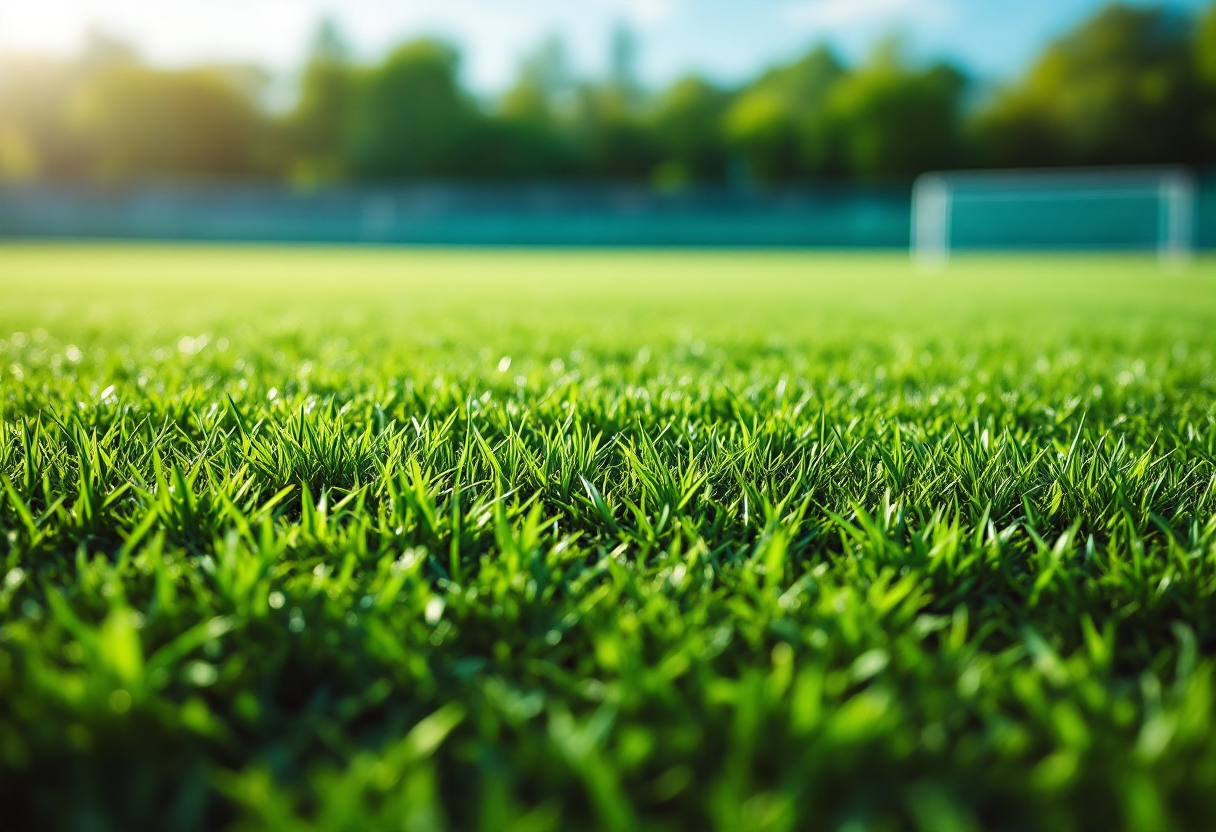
(724, 39)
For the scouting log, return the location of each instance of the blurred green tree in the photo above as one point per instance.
(1205, 67)
(37, 139)
(687, 123)
(624, 52)
(1205, 46)
(615, 140)
(1121, 89)
(142, 122)
(409, 118)
(317, 126)
(529, 137)
(544, 90)
(889, 122)
(33, 102)
(762, 129)
(768, 122)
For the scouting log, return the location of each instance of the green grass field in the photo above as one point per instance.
(364, 539)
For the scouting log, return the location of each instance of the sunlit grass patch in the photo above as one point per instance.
(375, 539)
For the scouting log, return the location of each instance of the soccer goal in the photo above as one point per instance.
(1079, 210)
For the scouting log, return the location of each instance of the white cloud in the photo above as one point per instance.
(651, 12)
(847, 16)
(173, 33)
(645, 14)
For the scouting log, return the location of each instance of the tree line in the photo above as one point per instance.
(1131, 85)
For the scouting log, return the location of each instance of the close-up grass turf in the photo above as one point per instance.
(506, 540)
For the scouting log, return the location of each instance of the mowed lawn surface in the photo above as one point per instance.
(505, 540)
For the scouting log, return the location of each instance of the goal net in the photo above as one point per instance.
(1079, 210)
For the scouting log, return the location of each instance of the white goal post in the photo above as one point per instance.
(1078, 209)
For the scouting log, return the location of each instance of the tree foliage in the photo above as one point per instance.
(1132, 85)
(1205, 61)
(316, 128)
(888, 122)
(687, 125)
(1121, 89)
(772, 121)
(189, 124)
(409, 115)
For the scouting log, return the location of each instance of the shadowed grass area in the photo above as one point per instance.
(369, 539)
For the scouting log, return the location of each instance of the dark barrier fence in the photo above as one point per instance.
(534, 215)
(1205, 214)
(456, 215)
